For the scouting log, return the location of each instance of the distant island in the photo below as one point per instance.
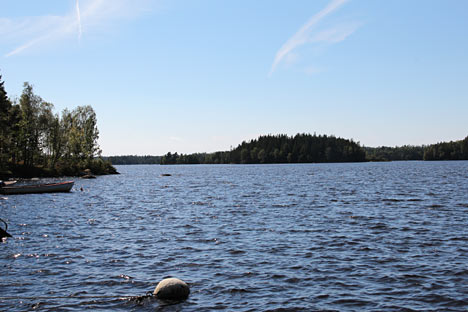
(269, 149)
(305, 148)
(36, 142)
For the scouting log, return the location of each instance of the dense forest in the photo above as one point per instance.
(384, 153)
(35, 141)
(457, 150)
(453, 150)
(269, 149)
(306, 148)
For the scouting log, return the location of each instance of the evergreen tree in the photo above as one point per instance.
(5, 107)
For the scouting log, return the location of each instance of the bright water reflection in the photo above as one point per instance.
(345, 237)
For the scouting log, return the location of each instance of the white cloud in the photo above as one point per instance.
(86, 15)
(306, 34)
(41, 30)
(78, 18)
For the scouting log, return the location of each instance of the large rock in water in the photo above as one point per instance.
(172, 289)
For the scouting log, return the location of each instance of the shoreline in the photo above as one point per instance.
(95, 168)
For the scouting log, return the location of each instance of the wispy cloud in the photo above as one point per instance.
(335, 34)
(41, 29)
(78, 18)
(308, 34)
(31, 31)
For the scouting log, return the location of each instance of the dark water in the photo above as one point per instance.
(344, 237)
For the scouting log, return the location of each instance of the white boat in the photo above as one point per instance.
(37, 188)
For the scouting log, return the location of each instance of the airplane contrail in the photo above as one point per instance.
(78, 17)
(301, 36)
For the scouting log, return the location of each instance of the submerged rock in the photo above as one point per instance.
(172, 289)
(88, 174)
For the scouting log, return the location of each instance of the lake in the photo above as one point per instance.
(307, 237)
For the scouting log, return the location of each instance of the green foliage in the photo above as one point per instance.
(457, 150)
(172, 159)
(134, 160)
(384, 153)
(302, 148)
(98, 166)
(80, 133)
(453, 150)
(5, 129)
(35, 141)
(30, 105)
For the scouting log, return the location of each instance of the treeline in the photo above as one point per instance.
(304, 148)
(134, 160)
(453, 150)
(35, 141)
(269, 149)
(457, 150)
(187, 159)
(385, 153)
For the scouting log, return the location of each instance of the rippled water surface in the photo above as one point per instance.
(340, 237)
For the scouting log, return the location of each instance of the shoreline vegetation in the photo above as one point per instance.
(36, 142)
(305, 148)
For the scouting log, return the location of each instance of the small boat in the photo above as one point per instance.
(37, 188)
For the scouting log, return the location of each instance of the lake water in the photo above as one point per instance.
(313, 237)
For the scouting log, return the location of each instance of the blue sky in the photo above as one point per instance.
(204, 75)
